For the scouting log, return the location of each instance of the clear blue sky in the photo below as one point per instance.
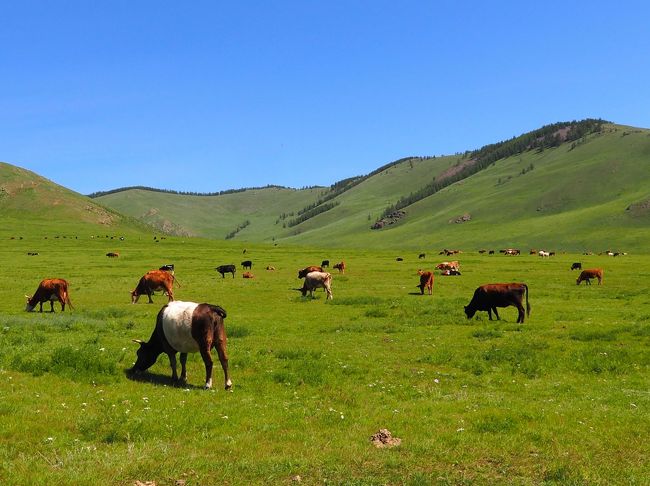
(212, 95)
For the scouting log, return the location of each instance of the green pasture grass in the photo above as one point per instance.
(560, 399)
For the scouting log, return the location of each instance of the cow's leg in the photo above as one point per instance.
(172, 364)
(490, 312)
(40, 309)
(522, 313)
(149, 295)
(496, 313)
(207, 359)
(51, 305)
(183, 367)
(220, 345)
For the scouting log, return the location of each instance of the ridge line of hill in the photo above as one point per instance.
(97, 194)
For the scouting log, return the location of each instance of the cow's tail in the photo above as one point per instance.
(175, 281)
(219, 310)
(527, 304)
(66, 297)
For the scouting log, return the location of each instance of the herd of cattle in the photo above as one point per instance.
(188, 327)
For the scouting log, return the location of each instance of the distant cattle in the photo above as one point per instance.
(32, 253)
(112, 254)
(588, 274)
(491, 252)
(450, 272)
(224, 269)
(270, 268)
(186, 327)
(399, 259)
(50, 289)
(449, 252)
(325, 263)
(169, 267)
(544, 254)
(315, 280)
(247, 264)
(490, 296)
(510, 251)
(482, 251)
(532, 252)
(426, 281)
(422, 255)
(247, 275)
(152, 281)
(576, 266)
(312, 268)
(340, 267)
(448, 265)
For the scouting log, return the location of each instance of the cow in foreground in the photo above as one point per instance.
(186, 327)
(316, 280)
(588, 274)
(49, 289)
(490, 296)
(150, 282)
(312, 268)
(224, 269)
(426, 281)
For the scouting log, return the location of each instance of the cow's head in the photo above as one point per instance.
(146, 357)
(30, 307)
(469, 311)
(134, 296)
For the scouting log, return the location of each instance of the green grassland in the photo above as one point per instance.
(560, 399)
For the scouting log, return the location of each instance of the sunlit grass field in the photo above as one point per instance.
(560, 399)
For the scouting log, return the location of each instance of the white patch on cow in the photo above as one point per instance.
(177, 326)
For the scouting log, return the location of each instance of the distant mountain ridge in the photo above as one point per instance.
(574, 185)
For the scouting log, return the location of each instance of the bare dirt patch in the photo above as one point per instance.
(383, 438)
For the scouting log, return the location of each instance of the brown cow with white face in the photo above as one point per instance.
(150, 282)
(186, 327)
(590, 273)
(49, 289)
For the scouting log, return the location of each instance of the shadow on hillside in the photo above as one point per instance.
(158, 379)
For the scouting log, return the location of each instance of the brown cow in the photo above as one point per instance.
(312, 268)
(112, 254)
(448, 266)
(49, 289)
(247, 275)
(340, 267)
(490, 296)
(426, 281)
(186, 327)
(590, 273)
(154, 280)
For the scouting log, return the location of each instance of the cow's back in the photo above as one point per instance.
(177, 326)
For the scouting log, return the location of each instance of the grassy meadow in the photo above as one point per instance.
(560, 399)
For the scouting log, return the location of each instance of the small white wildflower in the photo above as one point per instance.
(102, 349)
(460, 429)
(225, 417)
(436, 380)
(342, 417)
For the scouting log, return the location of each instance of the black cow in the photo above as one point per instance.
(223, 269)
(325, 263)
(186, 327)
(576, 266)
(247, 264)
(490, 296)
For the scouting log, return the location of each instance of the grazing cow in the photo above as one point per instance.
(169, 267)
(490, 296)
(112, 254)
(312, 268)
(340, 267)
(325, 263)
(186, 327)
(247, 275)
(544, 254)
(482, 251)
(450, 272)
(588, 274)
(247, 264)
(151, 281)
(224, 269)
(49, 289)
(512, 251)
(315, 280)
(399, 259)
(32, 253)
(270, 268)
(448, 265)
(491, 252)
(532, 252)
(576, 266)
(426, 281)
(422, 255)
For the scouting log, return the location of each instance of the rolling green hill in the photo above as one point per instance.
(566, 187)
(33, 205)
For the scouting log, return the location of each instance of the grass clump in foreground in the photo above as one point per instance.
(562, 398)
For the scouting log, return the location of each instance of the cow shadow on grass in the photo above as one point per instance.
(159, 380)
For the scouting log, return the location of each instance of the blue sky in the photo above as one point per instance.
(211, 95)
